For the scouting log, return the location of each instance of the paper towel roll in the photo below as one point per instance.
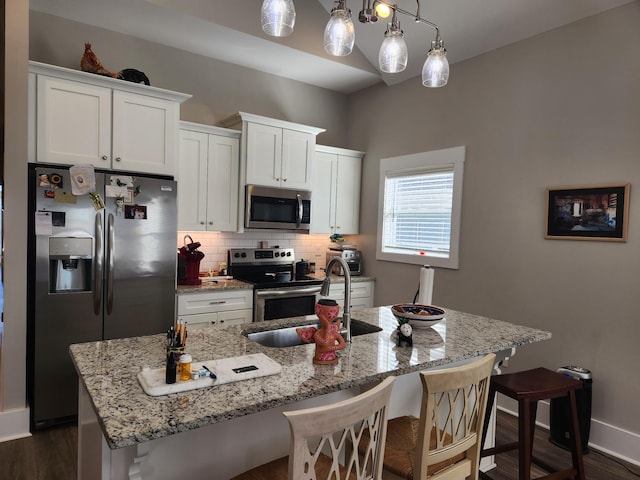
(426, 285)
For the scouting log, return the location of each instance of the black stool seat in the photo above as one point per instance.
(527, 388)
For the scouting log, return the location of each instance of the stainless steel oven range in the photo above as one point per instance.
(277, 291)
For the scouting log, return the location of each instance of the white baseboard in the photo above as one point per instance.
(603, 437)
(14, 424)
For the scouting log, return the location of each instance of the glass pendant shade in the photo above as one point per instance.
(278, 17)
(393, 51)
(339, 34)
(435, 72)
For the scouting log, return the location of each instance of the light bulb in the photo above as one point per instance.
(339, 34)
(435, 72)
(393, 51)
(278, 17)
(383, 10)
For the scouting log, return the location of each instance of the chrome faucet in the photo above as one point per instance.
(324, 291)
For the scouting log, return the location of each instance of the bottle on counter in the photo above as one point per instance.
(170, 375)
(185, 367)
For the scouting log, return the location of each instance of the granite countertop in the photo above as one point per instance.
(222, 284)
(233, 284)
(128, 416)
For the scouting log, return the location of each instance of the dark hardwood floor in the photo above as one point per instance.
(597, 466)
(52, 455)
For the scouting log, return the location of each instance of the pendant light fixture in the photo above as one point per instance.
(339, 34)
(435, 71)
(278, 17)
(393, 54)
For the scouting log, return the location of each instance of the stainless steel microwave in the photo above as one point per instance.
(277, 209)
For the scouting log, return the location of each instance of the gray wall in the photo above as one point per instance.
(562, 108)
(219, 89)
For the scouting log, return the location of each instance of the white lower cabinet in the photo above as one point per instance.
(361, 294)
(221, 308)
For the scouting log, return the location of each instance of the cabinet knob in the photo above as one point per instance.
(118, 159)
(210, 223)
(202, 222)
(277, 179)
(104, 157)
(284, 179)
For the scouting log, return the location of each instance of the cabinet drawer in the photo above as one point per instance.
(361, 294)
(195, 303)
(217, 319)
(358, 289)
(200, 320)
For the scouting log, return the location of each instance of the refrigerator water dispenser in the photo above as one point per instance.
(70, 261)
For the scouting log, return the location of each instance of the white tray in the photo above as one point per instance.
(153, 381)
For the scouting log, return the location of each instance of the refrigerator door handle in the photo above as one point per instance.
(110, 262)
(98, 274)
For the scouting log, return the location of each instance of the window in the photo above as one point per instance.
(419, 208)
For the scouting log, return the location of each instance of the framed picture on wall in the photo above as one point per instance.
(588, 212)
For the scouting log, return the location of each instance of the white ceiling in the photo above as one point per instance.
(229, 30)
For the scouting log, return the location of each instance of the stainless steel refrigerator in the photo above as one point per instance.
(94, 273)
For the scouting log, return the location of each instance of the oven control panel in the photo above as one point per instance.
(259, 256)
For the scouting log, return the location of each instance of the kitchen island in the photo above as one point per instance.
(218, 431)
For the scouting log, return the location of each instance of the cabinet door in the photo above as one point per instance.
(73, 123)
(323, 206)
(361, 294)
(297, 159)
(235, 317)
(264, 154)
(223, 164)
(145, 134)
(348, 195)
(192, 180)
(201, 320)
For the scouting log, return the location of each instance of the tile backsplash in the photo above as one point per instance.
(216, 244)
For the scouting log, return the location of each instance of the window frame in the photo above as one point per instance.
(424, 162)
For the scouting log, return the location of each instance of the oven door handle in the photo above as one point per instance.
(273, 292)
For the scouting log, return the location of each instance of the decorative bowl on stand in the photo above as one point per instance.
(418, 316)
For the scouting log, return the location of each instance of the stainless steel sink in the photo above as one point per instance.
(288, 337)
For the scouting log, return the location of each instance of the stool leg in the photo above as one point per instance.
(524, 437)
(574, 436)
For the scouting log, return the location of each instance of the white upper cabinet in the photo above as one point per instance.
(335, 203)
(108, 123)
(275, 153)
(84, 135)
(279, 157)
(208, 178)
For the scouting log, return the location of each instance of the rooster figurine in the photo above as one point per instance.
(90, 63)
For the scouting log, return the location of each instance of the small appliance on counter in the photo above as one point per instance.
(350, 255)
(189, 258)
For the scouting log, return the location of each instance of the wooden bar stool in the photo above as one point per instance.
(527, 388)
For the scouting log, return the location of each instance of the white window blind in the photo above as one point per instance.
(417, 212)
(420, 207)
